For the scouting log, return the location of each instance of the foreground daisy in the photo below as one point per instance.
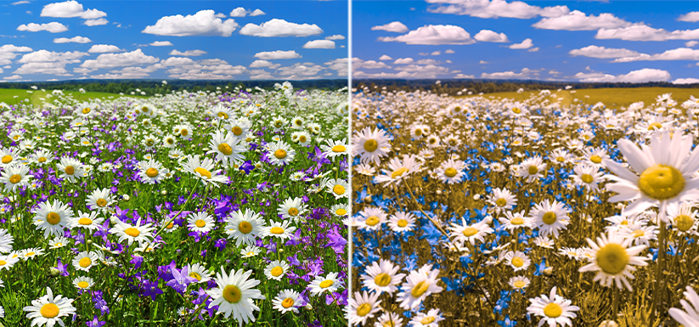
(418, 286)
(47, 309)
(382, 277)
(614, 260)
(204, 170)
(371, 145)
(363, 306)
(287, 300)
(131, 233)
(234, 294)
(322, 284)
(662, 173)
(690, 316)
(553, 309)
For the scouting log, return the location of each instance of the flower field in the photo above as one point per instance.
(196, 209)
(491, 212)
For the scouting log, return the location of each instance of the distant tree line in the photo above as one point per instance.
(151, 87)
(453, 86)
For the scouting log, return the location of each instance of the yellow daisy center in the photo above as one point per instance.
(151, 172)
(519, 283)
(83, 284)
(560, 159)
(287, 303)
(612, 258)
(244, 227)
(371, 145)
(595, 158)
(49, 310)
(661, 182)
(450, 172)
(470, 231)
(419, 289)
(684, 222)
(203, 172)
(16, 178)
(85, 221)
(517, 262)
(101, 202)
(399, 172)
(654, 126)
(223, 115)
(382, 279)
(133, 232)
(553, 310)
(184, 132)
(516, 110)
(533, 170)
(372, 220)
(586, 178)
(70, 170)
(293, 212)
(200, 223)
(638, 233)
(339, 148)
(280, 154)
(85, 262)
(501, 202)
(339, 189)
(232, 294)
(195, 276)
(276, 230)
(340, 212)
(363, 309)
(7, 159)
(277, 271)
(549, 218)
(53, 218)
(42, 159)
(427, 320)
(237, 130)
(517, 221)
(326, 283)
(225, 149)
(402, 223)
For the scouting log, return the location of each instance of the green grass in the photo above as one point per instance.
(613, 97)
(8, 96)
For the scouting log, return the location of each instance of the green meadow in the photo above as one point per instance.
(613, 97)
(14, 96)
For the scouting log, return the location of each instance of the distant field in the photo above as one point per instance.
(8, 96)
(612, 98)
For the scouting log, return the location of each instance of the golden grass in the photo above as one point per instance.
(614, 98)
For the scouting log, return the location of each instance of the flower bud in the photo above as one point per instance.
(548, 272)
(126, 197)
(54, 272)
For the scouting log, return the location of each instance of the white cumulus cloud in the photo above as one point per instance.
(636, 76)
(161, 44)
(335, 37)
(433, 35)
(52, 27)
(188, 53)
(691, 17)
(319, 44)
(686, 81)
(495, 9)
(280, 28)
(96, 22)
(70, 9)
(257, 12)
(578, 21)
(397, 27)
(104, 48)
(594, 51)
(490, 36)
(110, 60)
(76, 39)
(203, 22)
(279, 54)
(239, 12)
(526, 44)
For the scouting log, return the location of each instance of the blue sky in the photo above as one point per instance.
(591, 41)
(241, 40)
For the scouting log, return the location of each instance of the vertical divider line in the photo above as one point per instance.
(350, 156)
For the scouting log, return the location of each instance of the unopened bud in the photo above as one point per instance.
(548, 272)
(126, 197)
(54, 272)
(608, 323)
